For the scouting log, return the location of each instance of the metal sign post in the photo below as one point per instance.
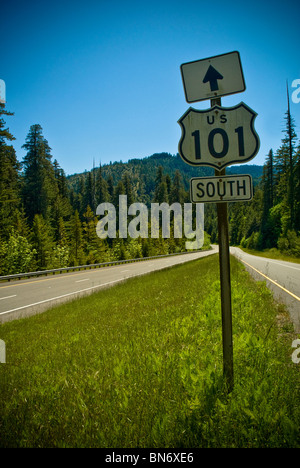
(224, 261)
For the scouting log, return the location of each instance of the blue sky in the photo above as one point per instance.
(103, 77)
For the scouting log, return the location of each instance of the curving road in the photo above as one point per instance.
(283, 278)
(21, 298)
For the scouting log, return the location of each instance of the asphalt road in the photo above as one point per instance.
(21, 298)
(283, 278)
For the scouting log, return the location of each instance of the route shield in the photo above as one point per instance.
(219, 136)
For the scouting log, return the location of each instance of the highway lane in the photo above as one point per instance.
(34, 295)
(283, 278)
(22, 298)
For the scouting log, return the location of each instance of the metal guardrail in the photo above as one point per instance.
(85, 267)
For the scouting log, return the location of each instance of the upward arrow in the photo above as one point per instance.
(212, 75)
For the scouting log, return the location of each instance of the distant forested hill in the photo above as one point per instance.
(143, 173)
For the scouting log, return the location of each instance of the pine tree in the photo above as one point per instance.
(22, 227)
(61, 208)
(42, 242)
(88, 198)
(61, 233)
(101, 189)
(4, 132)
(161, 189)
(177, 194)
(268, 179)
(169, 183)
(267, 232)
(75, 237)
(127, 182)
(161, 194)
(110, 186)
(291, 137)
(61, 179)
(285, 161)
(237, 224)
(119, 190)
(297, 190)
(9, 179)
(93, 246)
(40, 186)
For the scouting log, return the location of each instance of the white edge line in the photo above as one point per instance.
(60, 297)
(7, 297)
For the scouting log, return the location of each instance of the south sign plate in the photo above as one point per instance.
(217, 189)
(218, 137)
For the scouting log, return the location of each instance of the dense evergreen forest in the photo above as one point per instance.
(48, 220)
(272, 218)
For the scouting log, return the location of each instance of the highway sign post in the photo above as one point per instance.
(218, 137)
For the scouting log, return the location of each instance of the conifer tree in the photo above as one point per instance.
(110, 186)
(169, 184)
(75, 237)
(101, 190)
(40, 187)
(42, 242)
(267, 232)
(161, 188)
(61, 179)
(119, 190)
(285, 161)
(61, 208)
(61, 233)
(93, 246)
(127, 182)
(177, 194)
(9, 178)
(297, 190)
(161, 193)
(88, 193)
(291, 138)
(268, 183)
(4, 132)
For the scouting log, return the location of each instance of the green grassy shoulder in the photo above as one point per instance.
(274, 254)
(140, 365)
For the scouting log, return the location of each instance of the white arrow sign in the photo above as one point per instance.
(213, 77)
(219, 136)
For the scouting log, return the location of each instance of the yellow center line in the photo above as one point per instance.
(272, 281)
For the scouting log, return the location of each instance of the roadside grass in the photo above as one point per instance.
(140, 365)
